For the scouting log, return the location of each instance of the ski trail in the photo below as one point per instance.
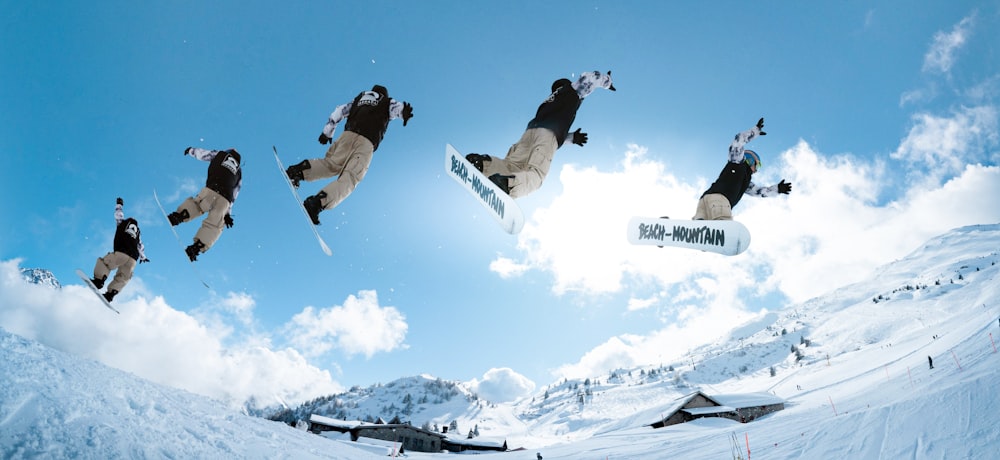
(17, 409)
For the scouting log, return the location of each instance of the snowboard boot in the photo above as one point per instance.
(294, 172)
(502, 181)
(110, 295)
(314, 205)
(99, 283)
(477, 160)
(178, 217)
(194, 250)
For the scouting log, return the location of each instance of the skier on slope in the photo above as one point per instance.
(222, 186)
(348, 158)
(527, 162)
(127, 250)
(718, 201)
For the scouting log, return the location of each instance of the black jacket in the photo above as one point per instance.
(369, 116)
(225, 174)
(127, 238)
(733, 182)
(558, 112)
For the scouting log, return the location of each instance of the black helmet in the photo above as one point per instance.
(381, 90)
(560, 83)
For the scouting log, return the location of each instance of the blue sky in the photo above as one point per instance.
(883, 116)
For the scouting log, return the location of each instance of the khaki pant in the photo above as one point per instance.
(216, 205)
(115, 260)
(347, 158)
(714, 206)
(528, 161)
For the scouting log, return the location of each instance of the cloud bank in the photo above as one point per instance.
(212, 351)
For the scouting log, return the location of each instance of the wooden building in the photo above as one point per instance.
(408, 436)
(739, 407)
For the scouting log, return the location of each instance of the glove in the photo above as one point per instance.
(760, 126)
(407, 112)
(579, 138)
(784, 187)
(143, 260)
(323, 139)
(612, 86)
(188, 150)
(120, 201)
(229, 221)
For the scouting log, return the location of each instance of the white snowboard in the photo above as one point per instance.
(499, 204)
(86, 280)
(295, 193)
(726, 237)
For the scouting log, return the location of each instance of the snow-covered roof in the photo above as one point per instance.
(748, 399)
(709, 410)
(332, 422)
(475, 442)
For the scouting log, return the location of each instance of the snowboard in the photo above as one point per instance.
(499, 204)
(298, 201)
(86, 280)
(178, 238)
(726, 237)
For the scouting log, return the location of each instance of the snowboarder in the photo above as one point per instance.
(127, 250)
(225, 178)
(930, 362)
(718, 201)
(348, 158)
(527, 162)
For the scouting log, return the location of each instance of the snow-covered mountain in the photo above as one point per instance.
(40, 276)
(852, 366)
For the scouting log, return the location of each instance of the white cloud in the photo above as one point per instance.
(944, 145)
(502, 385)
(507, 268)
(592, 256)
(941, 55)
(360, 326)
(157, 342)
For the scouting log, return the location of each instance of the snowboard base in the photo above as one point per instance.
(726, 237)
(86, 280)
(298, 201)
(499, 204)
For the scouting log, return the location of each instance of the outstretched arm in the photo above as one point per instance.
(201, 154)
(336, 116)
(400, 110)
(589, 81)
(773, 190)
(119, 211)
(736, 148)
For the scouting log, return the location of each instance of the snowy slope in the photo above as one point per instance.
(56, 405)
(861, 387)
